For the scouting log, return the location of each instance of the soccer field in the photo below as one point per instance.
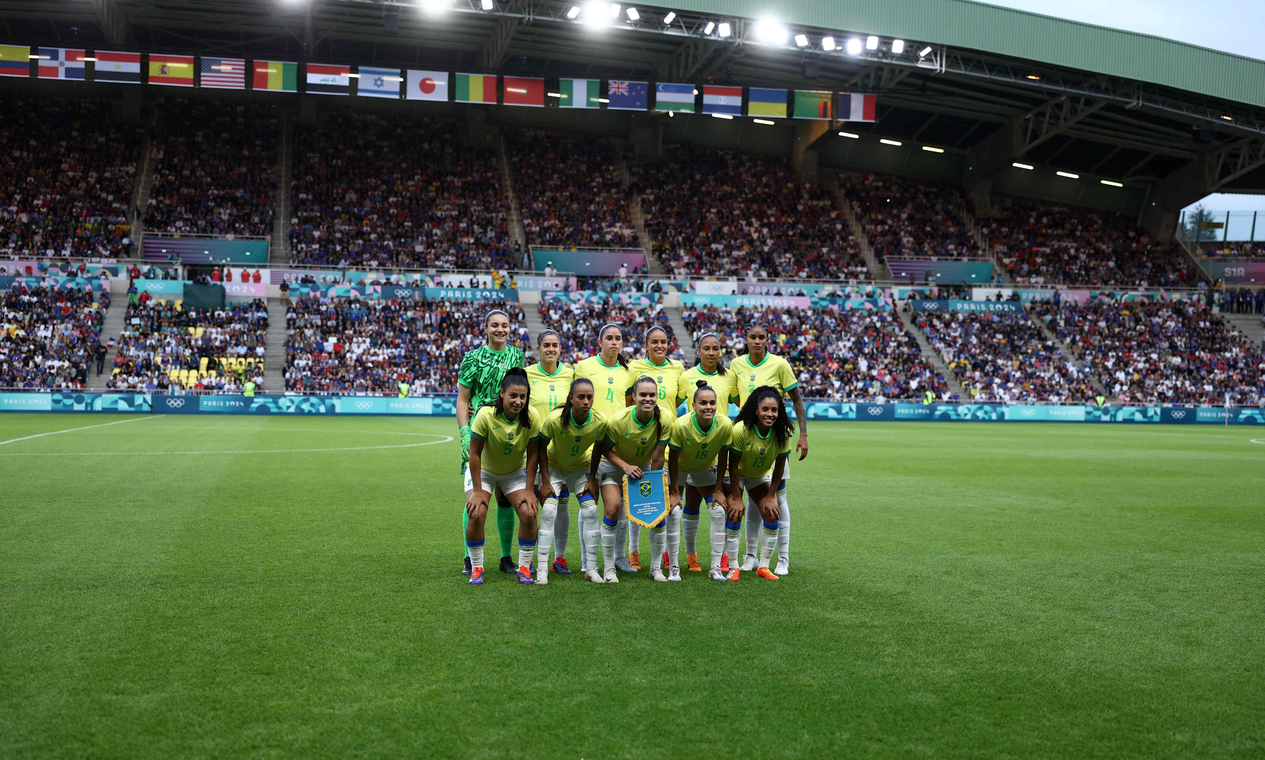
(290, 587)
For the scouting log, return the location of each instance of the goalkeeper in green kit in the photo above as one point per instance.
(478, 383)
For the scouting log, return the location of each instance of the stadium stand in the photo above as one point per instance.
(344, 345)
(578, 325)
(1040, 244)
(1004, 357)
(215, 171)
(1233, 250)
(1167, 352)
(568, 190)
(48, 337)
(1243, 301)
(840, 355)
(66, 174)
(711, 212)
(906, 218)
(388, 191)
(166, 347)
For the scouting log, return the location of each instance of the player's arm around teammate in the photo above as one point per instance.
(761, 446)
(501, 456)
(634, 440)
(698, 453)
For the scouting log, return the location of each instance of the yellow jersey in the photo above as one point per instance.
(699, 449)
(548, 392)
(610, 384)
(758, 453)
(666, 375)
(772, 370)
(634, 442)
(571, 445)
(724, 385)
(504, 440)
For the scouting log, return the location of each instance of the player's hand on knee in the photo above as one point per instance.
(768, 507)
(546, 490)
(718, 498)
(529, 506)
(477, 504)
(734, 511)
(674, 502)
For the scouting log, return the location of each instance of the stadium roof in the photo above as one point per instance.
(997, 84)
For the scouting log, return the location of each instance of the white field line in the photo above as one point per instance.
(447, 438)
(75, 430)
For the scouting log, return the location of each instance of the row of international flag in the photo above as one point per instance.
(411, 84)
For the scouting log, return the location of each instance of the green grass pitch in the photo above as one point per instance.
(957, 589)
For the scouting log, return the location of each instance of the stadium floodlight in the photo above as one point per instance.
(668, 19)
(596, 13)
(1069, 175)
(1018, 165)
(1034, 77)
(603, 100)
(770, 31)
(801, 40)
(852, 135)
(886, 141)
(575, 11)
(722, 116)
(871, 43)
(764, 121)
(924, 52)
(827, 43)
(486, 5)
(898, 47)
(1110, 183)
(1227, 118)
(725, 30)
(615, 10)
(554, 94)
(633, 15)
(711, 25)
(854, 46)
(435, 6)
(930, 149)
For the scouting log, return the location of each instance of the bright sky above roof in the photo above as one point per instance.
(1235, 26)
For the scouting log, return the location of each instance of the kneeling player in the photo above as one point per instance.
(500, 457)
(568, 461)
(759, 451)
(698, 449)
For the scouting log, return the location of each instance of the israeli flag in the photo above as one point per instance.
(379, 83)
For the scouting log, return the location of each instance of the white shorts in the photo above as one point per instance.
(747, 482)
(698, 478)
(573, 480)
(508, 483)
(608, 474)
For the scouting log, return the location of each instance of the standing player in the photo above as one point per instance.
(478, 383)
(711, 371)
(501, 456)
(550, 379)
(759, 451)
(570, 451)
(634, 443)
(698, 448)
(752, 369)
(666, 372)
(611, 382)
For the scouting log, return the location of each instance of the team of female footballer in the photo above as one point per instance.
(542, 433)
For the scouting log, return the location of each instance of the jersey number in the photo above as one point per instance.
(575, 450)
(701, 455)
(509, 449)
(759, 462)
(641, 451)
(610, 395)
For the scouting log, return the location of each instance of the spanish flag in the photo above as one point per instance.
(15, 61)
(171, 70)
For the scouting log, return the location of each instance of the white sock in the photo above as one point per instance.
(562, 525)
(658, 537)
(768, 538)
(690, 523)
(526, 548)
(621, 529)
(674, 537)
(590, 533)
(634, 536)
(753, 527)
(717, 533)
(610, 536)
(732, 531)
(783, 527)
(476, 553)
(544, 539)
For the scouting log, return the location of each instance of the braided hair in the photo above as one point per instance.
(747, 329)
(782, 428)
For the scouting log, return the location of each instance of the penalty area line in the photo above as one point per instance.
(1258, 440)
(75, 430)
(447, 439)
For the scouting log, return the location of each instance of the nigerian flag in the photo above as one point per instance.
(580, 93)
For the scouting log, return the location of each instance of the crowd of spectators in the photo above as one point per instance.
(215, 171)
(1005, 357)
(67, 168)
(49, 337)
(711, 212)
(164, 347)
(396, 191)
(578, 324)
(568, 191)
(1234, 250)
(370, 346)
(1241, 300)
(1041, 244)
(906, 218)
(1168, 352)
(842, 355)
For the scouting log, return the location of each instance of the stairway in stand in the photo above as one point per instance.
(111, 327)
(878, 269)
(279, 250)
(1053, 337)
(682, 336)
(928, 352)
(1248, 324)
(518, 233)
(274, 351)
(534, 325)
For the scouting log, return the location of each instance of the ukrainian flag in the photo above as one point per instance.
(15, 61)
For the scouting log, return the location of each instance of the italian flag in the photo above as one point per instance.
(476, 88)
(580, 93)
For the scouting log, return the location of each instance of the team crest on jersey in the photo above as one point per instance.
(551, 387)
(610, 381)
(753, 378)
(761, 451)
(511, 437)
(643, 440)
(577, 439)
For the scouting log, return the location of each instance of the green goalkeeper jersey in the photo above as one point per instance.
(482, 371)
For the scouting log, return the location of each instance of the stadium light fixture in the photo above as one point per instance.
(1109, 183)
(668, 19)
(1034, 77)
(827, 43)
(554, 94)
(615, 10)
(851, 135)
(924, 52)
(763, 121)
(603, 100)
(898, 46)
(435, 6)
(486, 5)
(930, 149)
(725, 30)
(801, 40)
(770, 31)
(711, 25)
(1018, 165)
(854, 46)
(633, 15)
(575, 11)
(886, 141)
(871, 43)
(722, 116)
(596, 13)
(1068, 175)
(1227, 118)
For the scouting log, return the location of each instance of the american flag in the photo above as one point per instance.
(224, 73)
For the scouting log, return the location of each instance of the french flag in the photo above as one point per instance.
(854, 107)
(61, 63)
